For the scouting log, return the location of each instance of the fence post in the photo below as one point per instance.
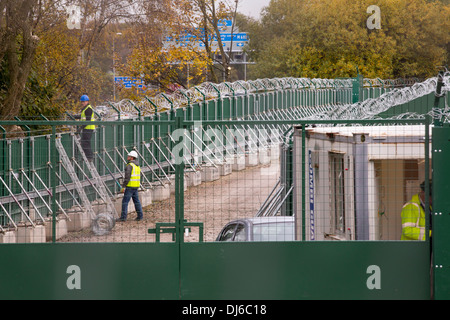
(54, 161)
(179, 186)
(357, 88)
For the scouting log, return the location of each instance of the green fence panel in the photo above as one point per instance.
(441, 216)
(95, 271)
(226, 111)
(212, 111)
(196, 111)
(251, 101)
(239, 103)
(307, 270)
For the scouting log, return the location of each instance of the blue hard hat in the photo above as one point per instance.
(84, 98)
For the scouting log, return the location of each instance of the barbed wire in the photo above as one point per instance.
(373, 107)
(401, 91)
(208, 91)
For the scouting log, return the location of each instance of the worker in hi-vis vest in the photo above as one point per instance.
(413, 216)
(86, 131)
(130, 186)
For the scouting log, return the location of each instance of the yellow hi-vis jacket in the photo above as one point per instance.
(135, 179)
(413, 220)
(83, 117)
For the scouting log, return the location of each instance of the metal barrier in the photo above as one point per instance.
(264, 160)
(214, 171)
(147, 127)
(268, 99)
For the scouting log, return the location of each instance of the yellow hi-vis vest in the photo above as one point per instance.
(83, 117)
(135, 179)
(413, 220)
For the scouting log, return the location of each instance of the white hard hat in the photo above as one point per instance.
(133, 154)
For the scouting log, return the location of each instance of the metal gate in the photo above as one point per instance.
(198, 269)
(441, 140)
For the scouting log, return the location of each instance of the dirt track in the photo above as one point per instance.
(234, 196)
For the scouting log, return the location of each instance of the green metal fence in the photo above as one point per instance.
(32, 153)
(281, 99)
(175, 249)
(189, 269)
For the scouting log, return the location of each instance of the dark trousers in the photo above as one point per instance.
(86, 136)
(131, 193)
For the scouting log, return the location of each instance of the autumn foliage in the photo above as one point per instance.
(329, 39)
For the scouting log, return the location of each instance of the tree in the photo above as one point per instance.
(178, 63)
(44, 64)
(165, 67)
(211, 14)
(85, 74)
(330, 39)
(202, 19)
(18, 44)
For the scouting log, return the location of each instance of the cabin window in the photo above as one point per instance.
(337, 192)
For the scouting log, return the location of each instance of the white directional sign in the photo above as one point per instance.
(241, 36)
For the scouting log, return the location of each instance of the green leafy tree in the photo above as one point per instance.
(330, 39)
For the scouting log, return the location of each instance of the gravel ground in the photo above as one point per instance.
(238, 195)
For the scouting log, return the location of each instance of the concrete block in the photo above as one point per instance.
(29, 234)
(238, 163)
(146, 197)
(24, 234)
(61, 229)
(225, 169)
(8, 237)
(78, 220)
(264, 156)
(193, 178)
(251, 159)
(210, 174)
(161, 193)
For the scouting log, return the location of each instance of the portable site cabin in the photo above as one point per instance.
(356, 180)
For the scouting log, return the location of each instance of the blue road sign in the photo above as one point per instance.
(225, 23)
(226, 37)
(129, 82)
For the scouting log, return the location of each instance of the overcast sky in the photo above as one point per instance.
(252, 7)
